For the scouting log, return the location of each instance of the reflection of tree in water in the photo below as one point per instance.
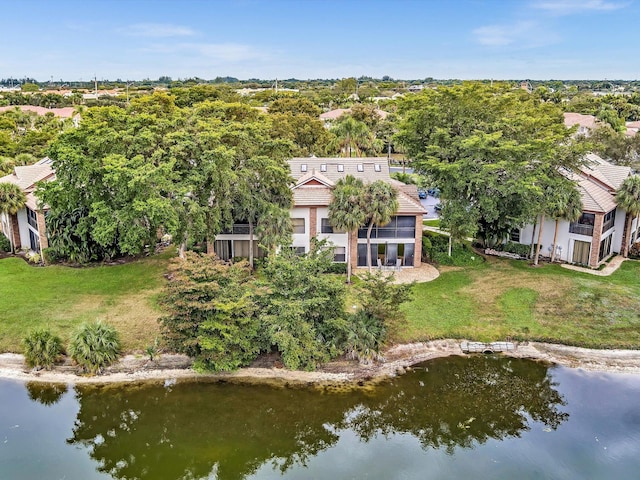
(45, 393)
(190, 431)
(458, 401)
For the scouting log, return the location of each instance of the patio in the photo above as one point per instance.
(423, 273)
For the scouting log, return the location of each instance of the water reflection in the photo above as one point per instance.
(226, 431)
(47, 394)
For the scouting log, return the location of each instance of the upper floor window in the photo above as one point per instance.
(584, 225)
(377, 167)
(361, 167)
(609, 220)
(303, 167)
(298, 225)
(32, 218)
(340, 167)
(323, 167)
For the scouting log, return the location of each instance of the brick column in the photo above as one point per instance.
(353, 253)
(42, 230)
(313, 222)
(17, 244)
(595, 240)
(417, 256)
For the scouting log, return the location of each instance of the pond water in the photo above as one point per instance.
(461, 417)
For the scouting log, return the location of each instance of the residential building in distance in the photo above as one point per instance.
(398, 244)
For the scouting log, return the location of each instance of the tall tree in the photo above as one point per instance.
(628, 198)
(347, 210)
(380, 204)
(350, 135)
(12, 199)
(486, 148)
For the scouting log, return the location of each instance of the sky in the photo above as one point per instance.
(307, 39)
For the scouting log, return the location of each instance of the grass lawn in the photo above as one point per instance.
(434, 222)
(60, 298)
(506, 298)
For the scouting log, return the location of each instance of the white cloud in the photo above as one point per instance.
(501, 35)
(568, 7)
(156, 30)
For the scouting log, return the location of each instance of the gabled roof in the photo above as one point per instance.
(315, 178)
(26, 177)
(604, 172)
(63, 112)
(584, 121)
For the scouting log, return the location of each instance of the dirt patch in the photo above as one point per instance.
(398, 360)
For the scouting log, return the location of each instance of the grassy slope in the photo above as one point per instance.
(503, 298)
(61, 298)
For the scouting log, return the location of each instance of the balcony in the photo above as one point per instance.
(581, 229)
(238, 229)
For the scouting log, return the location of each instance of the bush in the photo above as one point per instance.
(42, 349)
(517, 248)
(340, 268)
(5, 244)
(634, 251)
(364, 338)
(95, 346)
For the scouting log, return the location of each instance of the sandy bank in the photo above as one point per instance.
(137, 368)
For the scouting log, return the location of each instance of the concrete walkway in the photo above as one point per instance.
(423, 273)
(611, 267)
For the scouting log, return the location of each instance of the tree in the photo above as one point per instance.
(487, 149)
(350, 135)
(380, 205)
(262, 183)
(212, 312)
(568, 206)
(347, 211)
(12, 199)
(628, 198)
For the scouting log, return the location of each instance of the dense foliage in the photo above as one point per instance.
(95, 346)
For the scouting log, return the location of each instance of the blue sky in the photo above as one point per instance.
(407, 39)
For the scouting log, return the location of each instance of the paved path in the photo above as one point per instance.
(611, 267)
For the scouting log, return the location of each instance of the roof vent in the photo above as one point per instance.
(303, 167)
(361, 167)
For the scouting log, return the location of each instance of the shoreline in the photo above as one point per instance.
(398, 360)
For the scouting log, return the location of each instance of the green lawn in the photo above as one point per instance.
(434, 222)
(505, 298)
(61, 298)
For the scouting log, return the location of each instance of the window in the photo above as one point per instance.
(325, 226)
(299, 250)
(398, 227)
(339, 254)
(584, 225)
(340, 167)
(361, 167)
(515, 235)
(377, 167)
(323, 167)
(605, 248)
(609, 220)
(303, 167)
(298, 225)
(32, 218)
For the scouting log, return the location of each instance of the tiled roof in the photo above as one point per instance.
(320, 195)
(27, 176)
(350, 166)
(610, 175)
(338, 112)
(587, 121)
(595, 198)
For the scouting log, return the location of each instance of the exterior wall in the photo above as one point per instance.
(618, 231)
(23, 228)
(302, 239)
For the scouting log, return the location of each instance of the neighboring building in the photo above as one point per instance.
(28, 224)
(332, 115)
(585, 123)
(398, 243)
(600, 230)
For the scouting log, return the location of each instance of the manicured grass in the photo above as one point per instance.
(505, 298)
(60, 298)
(435, 222)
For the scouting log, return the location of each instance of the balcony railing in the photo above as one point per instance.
(238, 229)
(608, 225)
(581, 229)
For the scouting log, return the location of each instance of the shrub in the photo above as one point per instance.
(42, 349)
(340, 268)
(5, 244)
(517, 248)
(364, 338)
(95, 346)
(634, 251)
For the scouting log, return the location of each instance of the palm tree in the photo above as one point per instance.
(381, 204)
(568, 207)
(350, 134)
(628, 198)
(12, 199)
(346, 210)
